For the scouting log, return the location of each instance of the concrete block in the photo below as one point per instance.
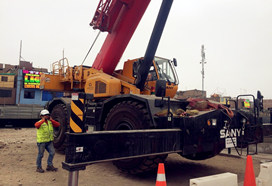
(224, 179)
(265, 175)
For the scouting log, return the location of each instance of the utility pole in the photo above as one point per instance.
(203, 62)
(20, 54)
(17, 72)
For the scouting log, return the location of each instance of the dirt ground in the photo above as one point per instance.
(18, 153)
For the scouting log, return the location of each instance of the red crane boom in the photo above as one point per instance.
(120, 19)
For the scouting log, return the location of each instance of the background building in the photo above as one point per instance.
(191, 94)
(20, 95)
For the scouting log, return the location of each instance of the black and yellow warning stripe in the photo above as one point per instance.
(77, 113)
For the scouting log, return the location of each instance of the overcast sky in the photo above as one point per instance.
(237, 35)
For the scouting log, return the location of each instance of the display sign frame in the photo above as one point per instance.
(31, 79)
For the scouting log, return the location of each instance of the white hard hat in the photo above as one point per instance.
(44, 112)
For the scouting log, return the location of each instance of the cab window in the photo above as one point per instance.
(152, 76)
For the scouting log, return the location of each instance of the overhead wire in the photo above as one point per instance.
(91, 47)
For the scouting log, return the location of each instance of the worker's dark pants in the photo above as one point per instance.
(50, 149)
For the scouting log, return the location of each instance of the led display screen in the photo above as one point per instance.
(31, 79)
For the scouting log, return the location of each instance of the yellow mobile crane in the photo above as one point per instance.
(123, 100)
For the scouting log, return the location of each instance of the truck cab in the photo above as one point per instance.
(161, 69)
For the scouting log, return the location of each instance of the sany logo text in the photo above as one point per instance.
(232, 133)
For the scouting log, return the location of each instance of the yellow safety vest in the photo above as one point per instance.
(45, 132)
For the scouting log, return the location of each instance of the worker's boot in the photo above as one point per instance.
(40, 170)
(51, 168)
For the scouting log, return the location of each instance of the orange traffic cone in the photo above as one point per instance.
(249, 179)
(161, 181)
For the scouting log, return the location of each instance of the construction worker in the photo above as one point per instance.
(45, 140)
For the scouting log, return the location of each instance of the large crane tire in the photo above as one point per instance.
(60, 114)
(132, 115)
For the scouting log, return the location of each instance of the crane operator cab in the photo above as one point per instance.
(161, 69)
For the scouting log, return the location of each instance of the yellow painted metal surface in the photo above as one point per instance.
(96, 82)
(53, 82)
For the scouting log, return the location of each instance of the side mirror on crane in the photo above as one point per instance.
(175, 62)
(160, 88)
(260, 100)
(259, 95)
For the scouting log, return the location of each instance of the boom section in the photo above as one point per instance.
(120, 19)
(145, 65)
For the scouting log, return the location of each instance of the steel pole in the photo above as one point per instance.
(73, 178)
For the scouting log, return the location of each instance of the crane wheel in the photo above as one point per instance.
(60, 114)
(132, 115)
